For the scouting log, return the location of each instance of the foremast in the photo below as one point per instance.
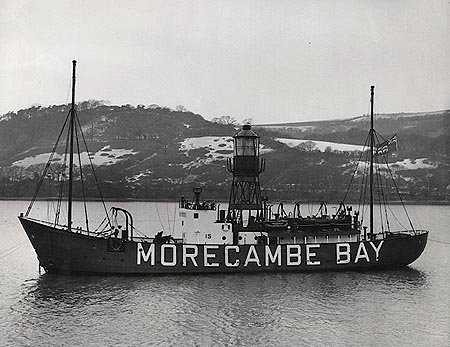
(71, 127)
(72, 132)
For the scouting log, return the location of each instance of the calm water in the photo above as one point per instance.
(408, 307)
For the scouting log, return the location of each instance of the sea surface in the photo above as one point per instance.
(403, 307)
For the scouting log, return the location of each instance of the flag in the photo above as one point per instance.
(387, 146)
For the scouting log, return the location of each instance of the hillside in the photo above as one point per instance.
(153, 152)
(421, 133)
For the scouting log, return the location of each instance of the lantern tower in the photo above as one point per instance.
(246, 165)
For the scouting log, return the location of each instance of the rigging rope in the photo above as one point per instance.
(44, 171)
(385, 197)
(81, 178)
(354, 172)
(400, 197)
(168, 217)
(62, 175)
(101, 223)
(174, 218)
(398, 221)
(363, 190)
(141, 233)
(93, 171)
(379, 190)
(159, 216)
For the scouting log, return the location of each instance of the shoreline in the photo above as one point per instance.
(394, 202)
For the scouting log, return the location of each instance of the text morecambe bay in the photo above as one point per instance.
(261, 256)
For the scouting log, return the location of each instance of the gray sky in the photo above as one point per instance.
(270, 60)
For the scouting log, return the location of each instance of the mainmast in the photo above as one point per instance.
(71, 129)
(371, 160)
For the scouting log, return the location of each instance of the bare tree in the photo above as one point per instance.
(225, 120)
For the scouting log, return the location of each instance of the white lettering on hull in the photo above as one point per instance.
(362, 253)
(207, 256)
(143, 256)
(342, 256)
(377, 249)
(233, 255)
(310, 254)
(227, 256)
(191, 256)
(293, 252)
(164, 261)
(272, 257)
(252, 257)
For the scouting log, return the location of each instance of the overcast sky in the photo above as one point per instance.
(272, 61)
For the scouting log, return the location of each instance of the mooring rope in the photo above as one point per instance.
(438, 241)
(12, 249)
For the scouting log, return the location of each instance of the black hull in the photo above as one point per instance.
(59, 250)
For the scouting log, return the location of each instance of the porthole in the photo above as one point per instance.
(240, 237)
(224, 238)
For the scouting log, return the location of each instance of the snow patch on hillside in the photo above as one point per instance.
(320, 145)
(211, 143)
(405, 164)
(397, 115)
(5, 118)
(138, 176)
(413, 164)
(218, 147)
(302, 128)
(105, 156)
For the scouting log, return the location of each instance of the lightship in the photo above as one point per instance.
(247, 236)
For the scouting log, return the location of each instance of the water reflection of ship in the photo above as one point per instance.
(101, 309)
(247, 237)
(74, 291)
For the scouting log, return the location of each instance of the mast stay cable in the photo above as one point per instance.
(44, 171)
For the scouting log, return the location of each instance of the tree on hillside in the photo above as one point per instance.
(90, 104)
(307, 146)
(181, 108)
(224, 120)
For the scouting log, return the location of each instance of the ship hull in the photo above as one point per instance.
(59, 250)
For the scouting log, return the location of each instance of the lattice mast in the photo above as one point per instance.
(246, 165)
